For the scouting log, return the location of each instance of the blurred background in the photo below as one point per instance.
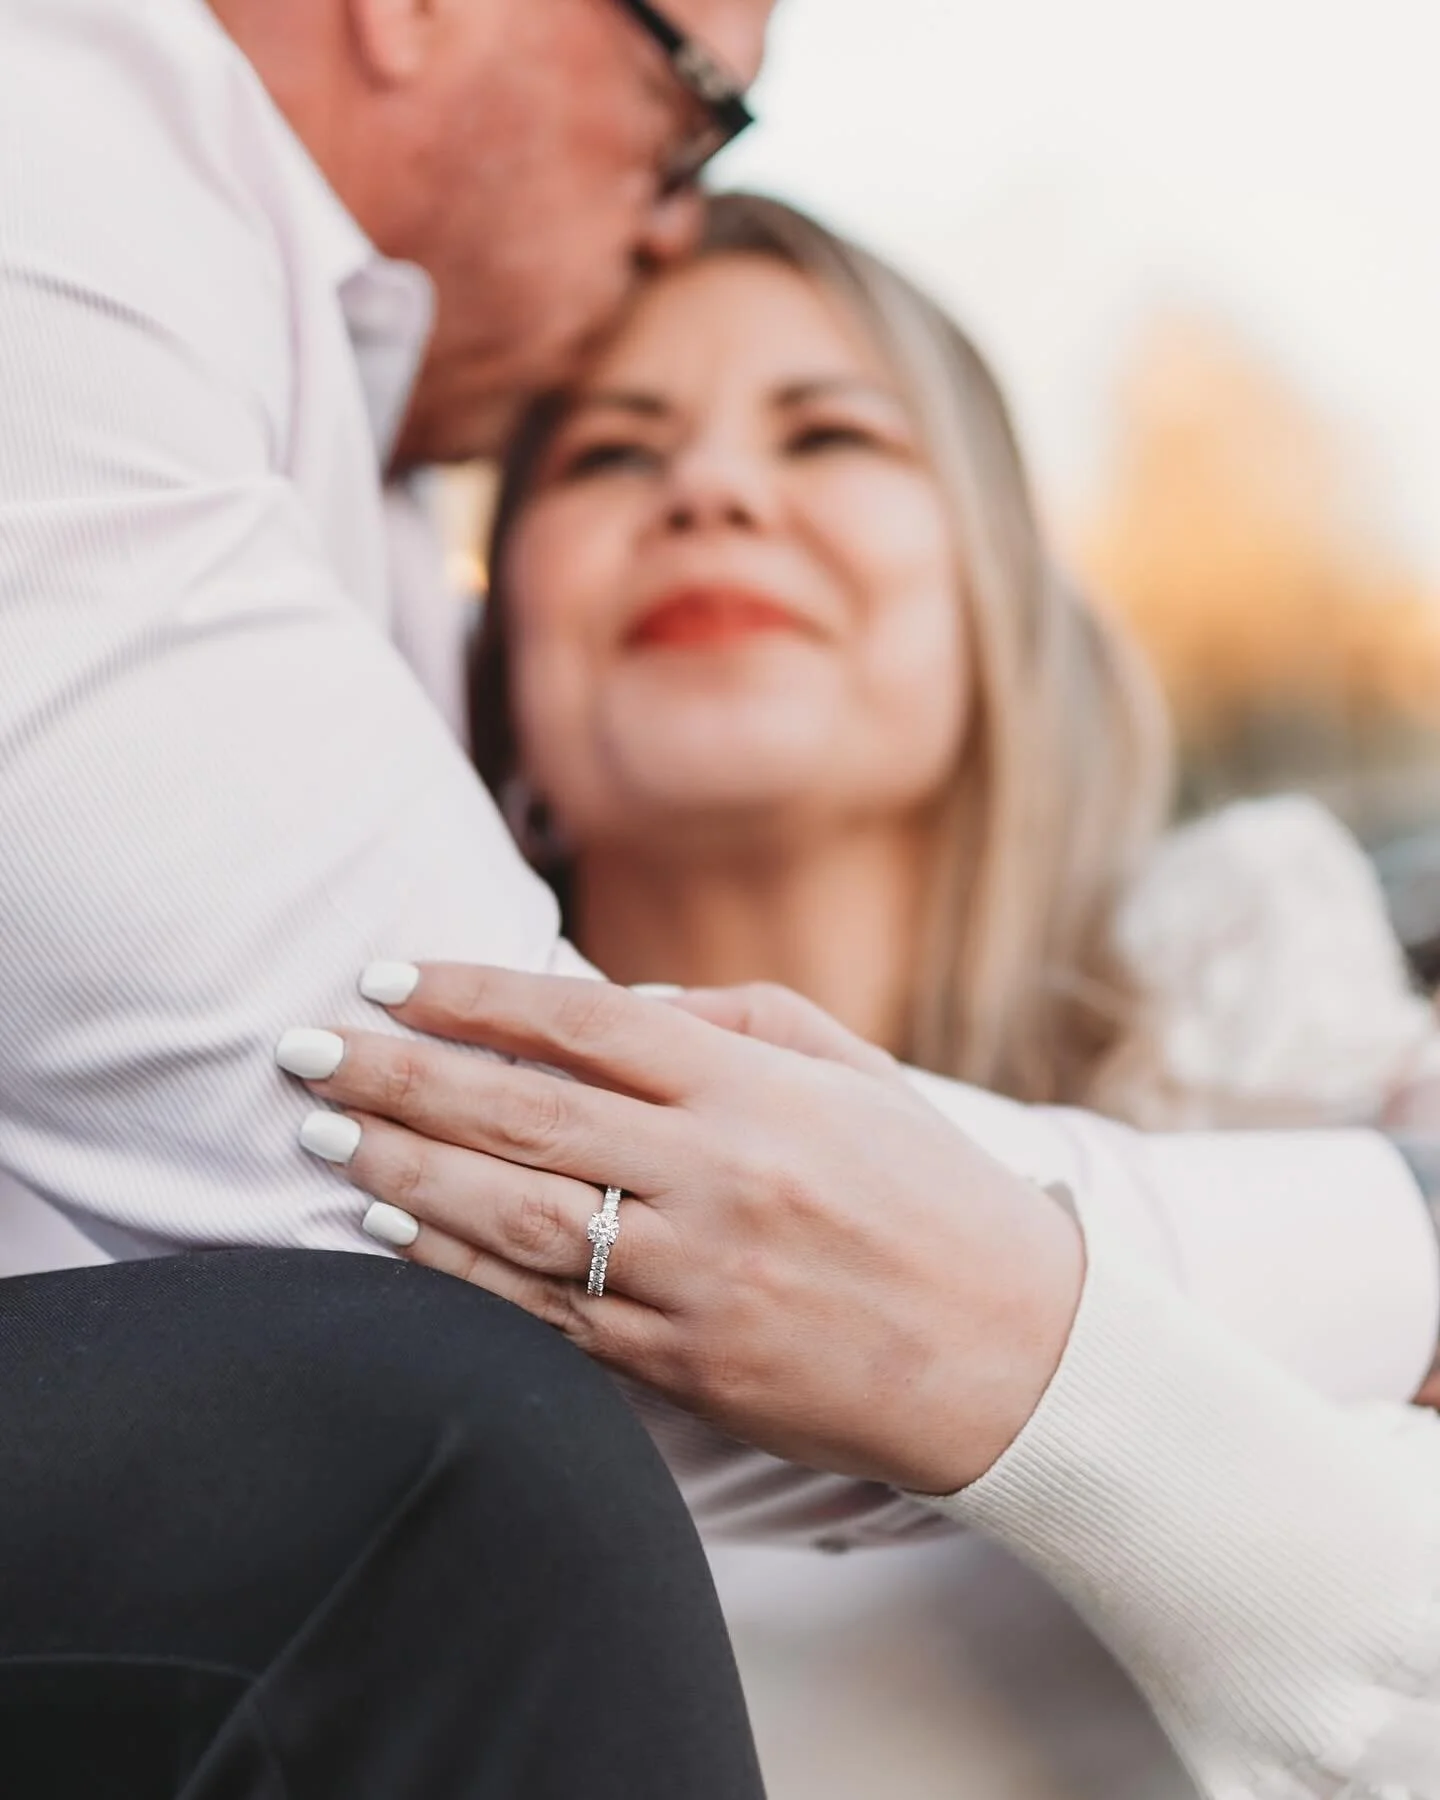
(1202, 248)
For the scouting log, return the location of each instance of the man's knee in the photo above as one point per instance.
(253, 1420)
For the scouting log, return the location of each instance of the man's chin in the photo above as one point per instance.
(473, 432)
(457, 416)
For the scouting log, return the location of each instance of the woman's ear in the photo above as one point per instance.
(395, 39)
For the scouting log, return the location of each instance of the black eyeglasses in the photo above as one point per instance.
(719, 95)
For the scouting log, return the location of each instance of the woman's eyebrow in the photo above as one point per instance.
(823, 387)
(636, 401)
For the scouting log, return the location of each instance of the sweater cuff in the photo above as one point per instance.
(1314, 1246)
(1267, 1565)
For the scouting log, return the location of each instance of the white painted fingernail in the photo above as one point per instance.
(312, 1055)
(656, 990)
(389, 983)
(388, 1225)
(331, 1135)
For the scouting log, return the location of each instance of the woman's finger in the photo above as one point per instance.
(606, 1035)
(777, 1015)
(614, 1329)
(524, 1115)
(530, 1220)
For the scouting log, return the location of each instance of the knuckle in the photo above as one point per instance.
(629, 1349)
(768, 1001)
(470, 993)
(471, 1266)
(411, 1177)
(717, 1379)
(792, 1196)
(534, 1229)
(587, 1014)
(756, 1180)
(535, 1119)
(401, 1078)
(750, 1006)
(556, 1305)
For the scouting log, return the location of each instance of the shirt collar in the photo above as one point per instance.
(388, 306)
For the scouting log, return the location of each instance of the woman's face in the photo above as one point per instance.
(733, 588)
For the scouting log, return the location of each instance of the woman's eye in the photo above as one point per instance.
(814, 438)
(606, 456)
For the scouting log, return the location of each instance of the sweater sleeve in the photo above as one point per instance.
(1265, 1563)
(1315, 1247)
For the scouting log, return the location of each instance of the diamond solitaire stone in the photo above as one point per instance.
(603, 1229)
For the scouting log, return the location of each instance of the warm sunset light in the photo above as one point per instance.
(1239, 537)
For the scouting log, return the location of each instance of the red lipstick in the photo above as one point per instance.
(699, 618)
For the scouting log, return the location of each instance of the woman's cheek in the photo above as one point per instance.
(567, 580)
(912, 664)
(917, 682)
(555, 560)
(555, 704)
(881, 525)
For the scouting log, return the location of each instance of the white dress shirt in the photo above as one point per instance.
(222, 791)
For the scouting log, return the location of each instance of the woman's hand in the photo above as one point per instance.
(813, 1258)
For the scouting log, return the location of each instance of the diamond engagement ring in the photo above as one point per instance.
(602, 1231)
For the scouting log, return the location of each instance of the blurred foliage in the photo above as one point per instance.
(1240, 540)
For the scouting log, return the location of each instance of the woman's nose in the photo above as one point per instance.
(715, 487)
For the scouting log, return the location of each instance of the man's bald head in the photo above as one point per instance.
(513, 149)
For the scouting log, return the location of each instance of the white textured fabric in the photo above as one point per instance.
(945, 1669)
(1288, 1645)
(1309, 1244)
(221, 790)
(1282, 995)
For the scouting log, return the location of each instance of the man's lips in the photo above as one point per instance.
(701, 617)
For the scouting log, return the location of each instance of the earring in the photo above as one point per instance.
(532, 824)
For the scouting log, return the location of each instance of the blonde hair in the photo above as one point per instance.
(1061, 785)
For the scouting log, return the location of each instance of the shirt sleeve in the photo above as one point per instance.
(1265, 1563)
(221, 791)
(1315, 1247)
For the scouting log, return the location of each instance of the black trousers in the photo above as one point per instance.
(286, 1526)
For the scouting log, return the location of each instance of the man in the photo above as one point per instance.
(223, 794)
(264, 1524)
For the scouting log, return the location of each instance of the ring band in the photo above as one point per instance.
(602, 1231)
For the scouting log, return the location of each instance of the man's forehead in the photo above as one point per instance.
(732, 30)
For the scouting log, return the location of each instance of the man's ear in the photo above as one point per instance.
(395, 39)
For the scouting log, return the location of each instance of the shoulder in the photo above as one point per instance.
(166, 200)
(1279, 990)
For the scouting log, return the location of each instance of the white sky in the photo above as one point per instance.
(1060, 169)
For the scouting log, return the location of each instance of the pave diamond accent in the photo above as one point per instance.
(603, 1231)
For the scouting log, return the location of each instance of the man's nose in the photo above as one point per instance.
(673, 228)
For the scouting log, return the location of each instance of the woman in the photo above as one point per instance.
(778, 682)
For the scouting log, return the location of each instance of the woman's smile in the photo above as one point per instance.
(713, 617)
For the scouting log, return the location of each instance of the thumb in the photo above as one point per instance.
(777, 1015)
